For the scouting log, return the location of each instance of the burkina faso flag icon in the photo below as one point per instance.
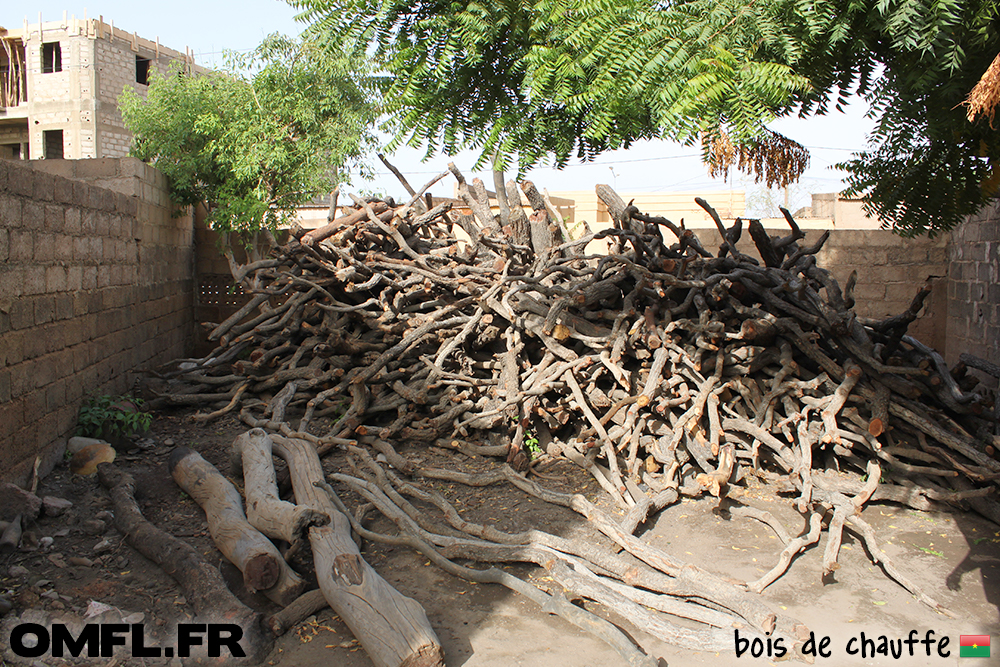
(974, 646)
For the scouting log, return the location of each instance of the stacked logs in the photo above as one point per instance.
(662, 367)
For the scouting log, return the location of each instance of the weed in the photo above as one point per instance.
(531, 442)
(107, 415)
(931, 552)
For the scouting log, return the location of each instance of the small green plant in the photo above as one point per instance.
(531, 442)
(932, 552)
(112, 416)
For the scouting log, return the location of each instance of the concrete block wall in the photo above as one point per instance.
(94, 285)
(974, 287)
(890, 270)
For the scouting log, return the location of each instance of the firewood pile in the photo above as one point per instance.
(662, 367)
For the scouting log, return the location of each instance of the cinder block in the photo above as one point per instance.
(103, 276)
(45, 186)
(873, 292)
(4, 385)
(103, 224)
(961, 292)
(98, 168)
(97, 301)
(81, 249)
(11, 418)
(45, 310)
(64, 306)
(81, 194)
(126, 205)
(73, 223)
(74, 389)
(33, 216)
(10, 211)
(44, 247)
(63, 247)
(63, 192)
(11, 282)
(55, 279)
(88, 221)
(21, 180)
(34, 405)
(55, 217)
(55, 396)
(12, 350)
(81, 300)
(107, 200)
(987, 272)
(89, 277)
(81, 361)
(903, 291)
(34, 280)
(22, 246)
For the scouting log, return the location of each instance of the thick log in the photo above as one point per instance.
(326, 231)
(392, 628)
(266, 511)
(201, 583)
(520, 227)
(244, 546)
(765, 246)
(983, 365)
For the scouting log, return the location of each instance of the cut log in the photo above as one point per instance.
(256, 556)
(202, 585)
(268, 513)
(392, 628)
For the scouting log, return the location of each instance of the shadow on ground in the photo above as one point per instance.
(955, 557)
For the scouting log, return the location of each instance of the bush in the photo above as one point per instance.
(112, 416)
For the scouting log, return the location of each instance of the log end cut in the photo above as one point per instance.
(429, 655)
(261, 572)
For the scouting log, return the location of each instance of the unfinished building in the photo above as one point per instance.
(60, 82)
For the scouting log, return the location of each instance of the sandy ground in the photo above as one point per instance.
(955, 557)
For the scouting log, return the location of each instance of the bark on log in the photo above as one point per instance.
(392, 628)
(202, 585)
(256, 556)
(297, 611)
(266, 511)
(326, 231)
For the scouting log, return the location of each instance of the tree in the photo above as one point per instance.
(554, 78)
(256, 141)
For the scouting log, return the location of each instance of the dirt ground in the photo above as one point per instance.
(955, 557)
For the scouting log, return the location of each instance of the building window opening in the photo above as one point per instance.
(51, 57)
(53, 140)
(10, 151)
(142, 70)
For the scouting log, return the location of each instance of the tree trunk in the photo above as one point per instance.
(201, 583)
(392, 628)
(256, 556)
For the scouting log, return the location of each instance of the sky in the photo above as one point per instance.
(209, 28)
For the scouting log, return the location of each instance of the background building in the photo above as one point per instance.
(60, 82)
